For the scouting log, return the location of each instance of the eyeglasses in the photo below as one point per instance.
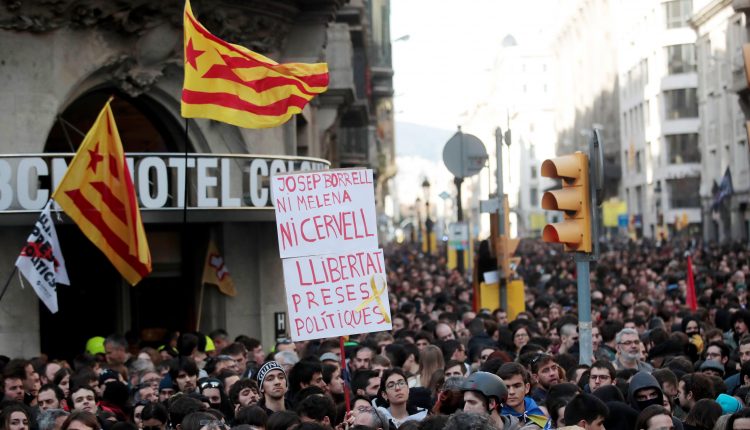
(364, 408)
(392, 385)
(150, 381)
(211, 383)
(630, 342)
(602, 377)
(520, 335)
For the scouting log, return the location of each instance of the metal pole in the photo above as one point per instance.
(584, 310)
(428, 227)
(458, 182)
(460, 218)
(596, 161)
(503, 280)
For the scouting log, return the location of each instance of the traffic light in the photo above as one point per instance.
(574, 232)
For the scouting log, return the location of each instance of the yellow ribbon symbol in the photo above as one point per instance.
(376, 296)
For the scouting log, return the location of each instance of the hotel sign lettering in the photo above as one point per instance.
(214, 181)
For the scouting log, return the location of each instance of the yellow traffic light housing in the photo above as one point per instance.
(574, 199)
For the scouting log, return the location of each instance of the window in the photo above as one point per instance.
(683, 193)
(681, 59)
(681, 103)
(628, 165)
(639, 199)
(533, 172)
(533, 197)
(678, 12)
(638, 161)
(683, 148)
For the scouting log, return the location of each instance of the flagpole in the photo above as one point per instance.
(200, 308)
(7, 283)
(185, 181)
(185, 246)
(347, 385)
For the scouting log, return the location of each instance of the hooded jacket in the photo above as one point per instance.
(643, 380)
(531, 412)
(640, 381)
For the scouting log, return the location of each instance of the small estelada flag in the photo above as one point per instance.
(215, 272)
(97, 193)
(230, 83)
(41, 261)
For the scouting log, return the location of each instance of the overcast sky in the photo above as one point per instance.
(442, 70)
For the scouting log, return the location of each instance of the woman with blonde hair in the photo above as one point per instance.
(430, 361)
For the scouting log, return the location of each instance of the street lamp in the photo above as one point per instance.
(659, 214)
(428, 223)
(418, 206)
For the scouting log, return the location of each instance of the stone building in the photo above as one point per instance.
(724, 104)
(60, 62)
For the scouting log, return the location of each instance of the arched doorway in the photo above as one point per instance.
(98, 301)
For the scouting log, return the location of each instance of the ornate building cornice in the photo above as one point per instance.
(151, 29)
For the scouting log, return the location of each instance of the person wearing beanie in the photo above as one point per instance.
(273, 387)
(712, 368)
(166, 388)
(729, 404)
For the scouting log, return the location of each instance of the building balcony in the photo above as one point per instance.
(357, 147)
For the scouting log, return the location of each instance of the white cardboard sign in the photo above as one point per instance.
(336, 294)
(324, 212)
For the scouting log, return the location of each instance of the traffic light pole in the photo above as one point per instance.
(585, 341)
(582, 182)
(584, 310)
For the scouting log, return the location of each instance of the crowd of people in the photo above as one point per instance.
(658, 365)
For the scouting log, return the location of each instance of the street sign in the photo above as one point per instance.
(280, 324)
(464, 155)
(458, 236)
(444, 195)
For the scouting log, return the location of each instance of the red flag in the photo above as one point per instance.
(692, 301)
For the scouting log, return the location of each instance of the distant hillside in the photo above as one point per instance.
(414, 140)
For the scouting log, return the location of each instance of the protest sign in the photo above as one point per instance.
(325, 211)
(336, 294)
(334, 272)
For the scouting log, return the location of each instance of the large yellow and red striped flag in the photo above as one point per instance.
(232, 84)
(97, 193)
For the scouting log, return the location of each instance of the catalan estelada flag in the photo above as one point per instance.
(229, 83)
(215, 272)
(97, 193)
